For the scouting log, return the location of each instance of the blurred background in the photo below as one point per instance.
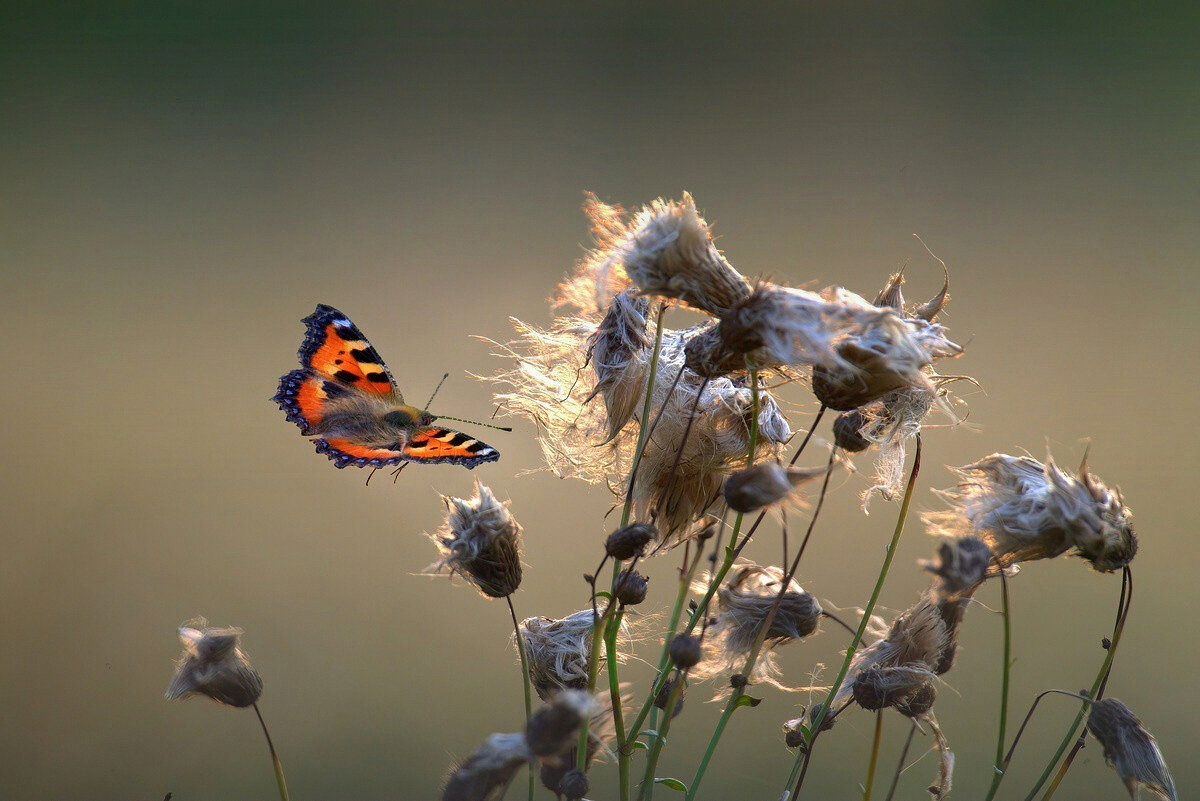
(181, 183)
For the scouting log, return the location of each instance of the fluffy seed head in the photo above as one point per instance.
(1024, 510)
(630, 541)
(215, 666)
(878, 687)
(489, 768)
(619, 353)
(915, 642)
(601, 735)
(481, 541)
(919, 702)
(960, 566)
(763, 484)
(552, 729)
(1130, 749)
(557, 651)
(847, 432)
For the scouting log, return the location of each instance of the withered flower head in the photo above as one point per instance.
(619, 351)
(667, 250)
(1130, 749)
(878, 686)
(631, 587)
(552, 730)
(630, 541)
(1027, 510)
(764, 484)
(847, 431)
(919, 702)
(960, 566)
(481, 541)
(685, 651)
(488, 769)
(214, 665)
(558, 651)
(602, 732)
(742, 604)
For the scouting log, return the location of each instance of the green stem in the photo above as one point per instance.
(283, 793)
(524, 675)
(1096, 692)
(800, 764)
(874, 755)
(660, 739)
(614, 691)
(644, 424)
(1004, 685)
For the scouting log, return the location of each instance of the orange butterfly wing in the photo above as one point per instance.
(434, 445)
(335, 348)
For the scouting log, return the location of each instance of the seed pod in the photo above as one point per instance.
(574, 785)
(793, 733)
(763, 484)
(630, 541)
(631, 587)
(664, 694)
(847, 434)
(684, 651)
(918, 703)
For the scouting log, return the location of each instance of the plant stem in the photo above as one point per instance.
(1096, 693)
(1004, 685)
(803, 757)
(643, 426)
(614, 691)
(283, 793)
(900, 765)
(524, 675)
(874, 755)
(660, 739)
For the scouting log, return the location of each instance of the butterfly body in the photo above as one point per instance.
(344, 395)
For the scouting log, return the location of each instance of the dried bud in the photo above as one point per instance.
(664, 695)
(847, 428)
(214, 665)
(1130, 749)
(631, 587)
(960, 566)
(630, 541)
(552, 729)
(793, 733)
(827, 723)
(919, 702)
(684, 651)
(763, 484)
(489, 768)
(481, 541)
(738, 681)
(879, 687)
(574, 785)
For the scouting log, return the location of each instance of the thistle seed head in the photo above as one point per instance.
(847, 432)
(481, 541)
(558, 650)
(630, 541)
(489, 768)
(878, 687)
(915, 644)
(1025, 510)
(919, 702)
(1130, 749)
(664, 695)
(552, 729)
(764, 484)
(685, 651)
(215, 666)
(574, 785)
(631, 587)
(619, 351)
(960, 567)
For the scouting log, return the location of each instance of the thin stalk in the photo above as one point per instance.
(614, 692)
(900, 765)
(643, 430)
(874, 755)
(1097, 692)
(283, 793)
(647, 791)
(1004, 685)
(524, 675)
(803, 757)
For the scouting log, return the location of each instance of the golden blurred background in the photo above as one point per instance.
(183, 182)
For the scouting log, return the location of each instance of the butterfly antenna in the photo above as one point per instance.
(435, 389)
(472, 422)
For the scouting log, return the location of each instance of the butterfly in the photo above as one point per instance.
(344, 395)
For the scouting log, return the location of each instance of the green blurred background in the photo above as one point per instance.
(182, 182)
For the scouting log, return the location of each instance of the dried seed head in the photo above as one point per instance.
(630, 541)
(827, 722)
(632, 587)
(552, 729)
(764, 484)
(619, 351)
(213, 665)
(877, 687)
(574, 785)
(960, 567)
(743, 603)
(488, 768)
(847, 432)
(793, 733)
(481, 541)
(1024, 510)
(685, 651)
(663, 696)
(891, 295)
(557, 651)
(915, 642)
(1130, 749)
(602, 733)
(919, 702)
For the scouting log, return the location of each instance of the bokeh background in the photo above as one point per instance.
(180, 183)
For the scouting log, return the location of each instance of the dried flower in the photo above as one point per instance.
(1130, 749)
(764, 484)
(915, 642)
(960, 566)
(847, 432)
(557, 651)
(878, 686)
(1027, 510)
(631, 587)
(619, 351)
(684, 650)
(602, 732)
(630, 541)
(214, 665)
(663, 696)
(574, 785)
(919, 702)
(552, 729)
(481, 541)
(742, 605)
(488, 769)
